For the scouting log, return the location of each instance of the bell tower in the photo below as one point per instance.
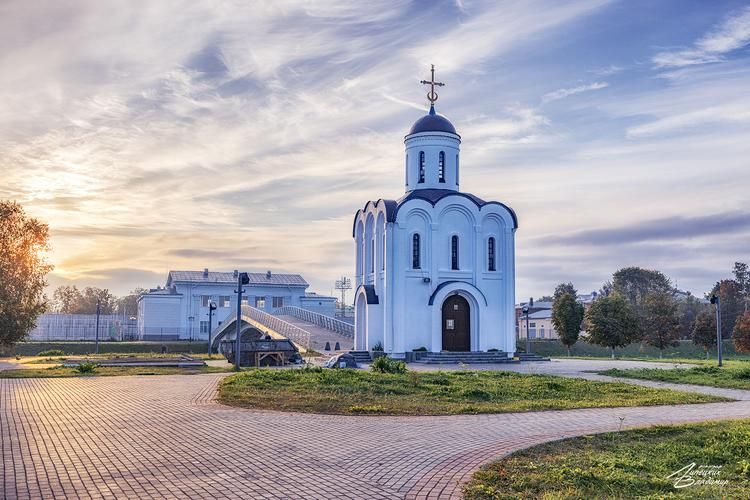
(432, 149)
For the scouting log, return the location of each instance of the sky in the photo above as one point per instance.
(245, 135)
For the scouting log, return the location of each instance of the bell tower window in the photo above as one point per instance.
(421, 167)
(454, 252)
(456, 170)
(441, 167)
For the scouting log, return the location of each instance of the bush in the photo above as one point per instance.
(420, 349)
(384, 364)
(86, 368)
(378, 347)
(51, 352)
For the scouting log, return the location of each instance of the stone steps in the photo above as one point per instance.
(464, 357)
(361, 356)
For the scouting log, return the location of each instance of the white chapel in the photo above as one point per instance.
(435, 269)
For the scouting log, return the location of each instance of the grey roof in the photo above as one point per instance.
(543, 314)
(222, 277)
(432, 122)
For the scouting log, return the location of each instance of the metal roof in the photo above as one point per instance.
(432, 122)
(276, 279)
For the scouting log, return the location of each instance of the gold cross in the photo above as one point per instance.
(432, 95)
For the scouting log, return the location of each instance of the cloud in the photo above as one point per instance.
(668, 228)
(732, 34)
(563, 93)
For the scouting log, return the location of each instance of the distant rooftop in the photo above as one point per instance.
(206, 276)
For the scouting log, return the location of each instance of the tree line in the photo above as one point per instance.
(69, 299)
(641, 305)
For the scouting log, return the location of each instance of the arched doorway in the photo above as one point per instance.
(360, 323)
(456, 327)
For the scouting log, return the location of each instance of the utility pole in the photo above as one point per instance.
(525, 310)
(242, 279)
(98, 310)
(716, 300)
(343, 284)
(211, 308)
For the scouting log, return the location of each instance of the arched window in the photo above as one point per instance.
(372, 256)
(415, 252)
(441, 167)
(421, 166)
(491, 254)
(382, 257)
(454, 252)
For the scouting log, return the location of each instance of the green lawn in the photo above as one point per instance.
(108, 371)
(733, 375)
(629, 464)
(431, 393)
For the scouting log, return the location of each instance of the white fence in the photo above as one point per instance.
(327, 322)
(82, 327)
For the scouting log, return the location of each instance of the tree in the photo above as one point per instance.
(545, 298)
(741, 333)
(23, 271)
(71, 300)
(662, 326)
(128, 305)
(611, 322)
(65, 299)
(731, 304)
(704, 331)
(567, 315)
(742, 277)
(563, 288)
(688, 311)
(634, 283)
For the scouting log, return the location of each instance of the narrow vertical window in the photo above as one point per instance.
(382, 256)
(415, 252)
(441, 167)
(421, 166)
(406, 170)
(454, 252)
(372, 256)
(456, 170)
(491, 254)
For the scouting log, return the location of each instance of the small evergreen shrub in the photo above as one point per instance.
(384, 364)
(420, 349)
(378, 347)
(51, 352)
(86, 368)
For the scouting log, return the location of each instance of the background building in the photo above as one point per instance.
(179, 310)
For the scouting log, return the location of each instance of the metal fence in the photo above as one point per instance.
(72, 327)
(335, 325)
(278, 325)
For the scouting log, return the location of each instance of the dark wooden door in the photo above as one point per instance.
(456, 336)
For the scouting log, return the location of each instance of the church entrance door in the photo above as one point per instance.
(456, 331)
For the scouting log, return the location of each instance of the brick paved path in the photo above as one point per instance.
(162, 436)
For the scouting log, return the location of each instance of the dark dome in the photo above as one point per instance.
(432, 122)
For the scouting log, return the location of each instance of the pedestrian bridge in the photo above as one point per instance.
(307, 329)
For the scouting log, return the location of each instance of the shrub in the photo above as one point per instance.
(378, 347)
(384, 364)
(86, 368)
(743, 374)
(420, 349)
(51, 352)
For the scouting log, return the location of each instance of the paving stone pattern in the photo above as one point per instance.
(165, 437)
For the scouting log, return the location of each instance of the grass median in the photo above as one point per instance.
(733, 375)
(629, 464)
(351, 392)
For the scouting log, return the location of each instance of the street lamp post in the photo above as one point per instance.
(98, 310)
(526, 312)
(716, 300)
(242, 279)
(211, 308)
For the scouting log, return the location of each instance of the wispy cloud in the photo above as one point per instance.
(567, 92)
(732, 34)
